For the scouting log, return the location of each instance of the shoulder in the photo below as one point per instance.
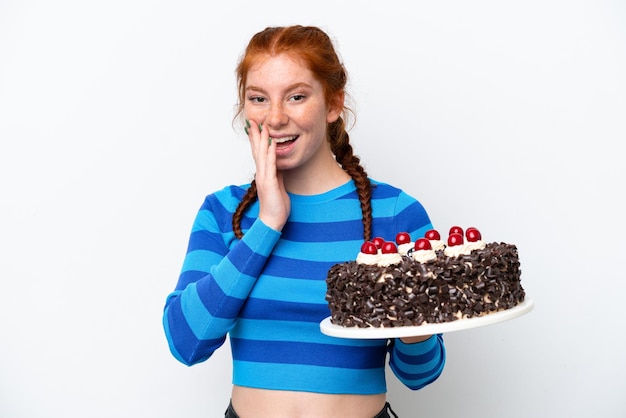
(382, 190)
(216, 211)
(396, 211)
(227, 197)
(394, 198)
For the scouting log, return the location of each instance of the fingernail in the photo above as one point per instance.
(245, 128)
(260, 127)
(247, 123)
(270, 140)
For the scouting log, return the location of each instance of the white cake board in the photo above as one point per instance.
(425, 329)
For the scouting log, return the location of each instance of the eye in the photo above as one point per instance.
(298, 97)
(257, 99)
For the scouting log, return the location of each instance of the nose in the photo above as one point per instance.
(277, 116)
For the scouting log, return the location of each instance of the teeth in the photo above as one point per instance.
(285, 139)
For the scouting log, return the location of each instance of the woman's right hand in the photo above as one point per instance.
(274, 202)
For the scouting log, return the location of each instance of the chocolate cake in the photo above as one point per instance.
(387, 288)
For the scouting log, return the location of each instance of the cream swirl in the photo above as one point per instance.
(455, 250)
(403, 249)
(464, 249)
(437, 244)
(423, 256)
(389, 259)
(368, 259)
(475, 245)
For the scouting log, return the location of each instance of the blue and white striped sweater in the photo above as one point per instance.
(267, 292)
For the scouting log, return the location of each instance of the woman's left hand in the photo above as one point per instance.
(413, 340)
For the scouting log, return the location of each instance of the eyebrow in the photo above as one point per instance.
(289, 88)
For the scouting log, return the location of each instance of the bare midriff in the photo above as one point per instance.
(263, 403)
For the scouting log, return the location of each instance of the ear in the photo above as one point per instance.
(336, 107)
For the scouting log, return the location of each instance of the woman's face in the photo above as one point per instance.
(284, 96)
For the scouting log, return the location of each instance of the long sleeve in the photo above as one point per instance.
(215, 281)
(417, 365)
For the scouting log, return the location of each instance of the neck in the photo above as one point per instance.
(320, 181)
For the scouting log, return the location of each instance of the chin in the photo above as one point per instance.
(285, 166)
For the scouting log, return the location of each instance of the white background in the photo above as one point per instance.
(116, 121)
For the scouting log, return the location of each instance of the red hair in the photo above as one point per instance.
(309, 45)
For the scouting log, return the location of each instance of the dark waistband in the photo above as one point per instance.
(230, 412)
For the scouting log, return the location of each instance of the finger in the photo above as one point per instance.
(271, 155)
(253, 131)
(263, 152)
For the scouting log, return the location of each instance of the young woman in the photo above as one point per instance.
(258, 254)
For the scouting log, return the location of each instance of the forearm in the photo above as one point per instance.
(418, 364)
(198, 316)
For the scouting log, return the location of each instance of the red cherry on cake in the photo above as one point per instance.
(423, 244)
(389, 248)
(403, 238)
(368, 247)
(456, 230)
(432, 234)
(378, 241)
(472, 234)
(455, 239)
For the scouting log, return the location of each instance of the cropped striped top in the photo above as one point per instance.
(266, 292)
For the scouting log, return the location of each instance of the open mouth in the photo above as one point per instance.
(283, 141)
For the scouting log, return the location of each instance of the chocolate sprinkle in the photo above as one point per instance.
(412, 293)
